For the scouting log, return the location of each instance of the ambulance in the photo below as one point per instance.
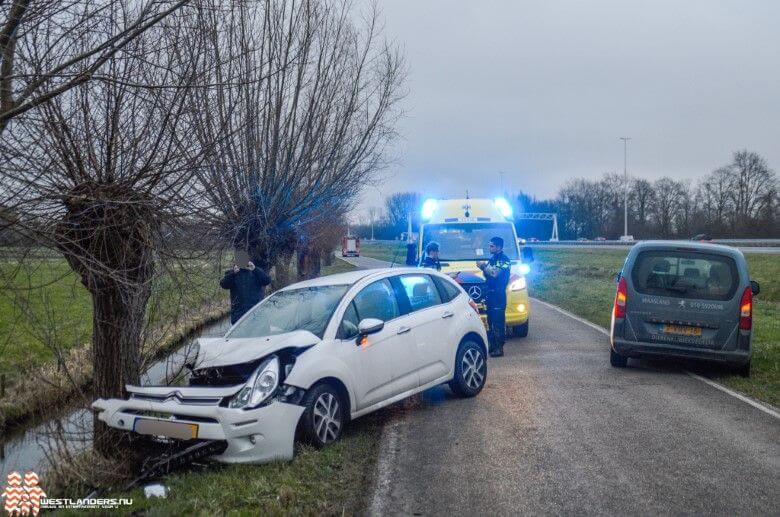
(463, 228)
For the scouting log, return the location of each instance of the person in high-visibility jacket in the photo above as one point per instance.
(497, 271)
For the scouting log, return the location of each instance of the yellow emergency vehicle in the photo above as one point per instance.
(463, 228)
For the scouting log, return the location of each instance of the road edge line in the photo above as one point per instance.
(573, 316)
(765, 407)
(384, 461)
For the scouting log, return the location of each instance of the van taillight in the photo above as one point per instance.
(620, 298)
(746, 310)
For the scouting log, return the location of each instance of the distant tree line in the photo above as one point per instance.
(738, 200)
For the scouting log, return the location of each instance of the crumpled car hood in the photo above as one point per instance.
(224, 352)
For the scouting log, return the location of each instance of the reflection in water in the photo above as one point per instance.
(28, 449)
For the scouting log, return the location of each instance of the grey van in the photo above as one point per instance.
(684, 300)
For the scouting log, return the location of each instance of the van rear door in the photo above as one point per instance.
(684, 297)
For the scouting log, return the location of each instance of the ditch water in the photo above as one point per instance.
(27, 449)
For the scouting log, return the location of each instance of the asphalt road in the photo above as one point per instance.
(557, 430)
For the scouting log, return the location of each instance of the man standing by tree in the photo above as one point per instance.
(246, 283)
(496, 272)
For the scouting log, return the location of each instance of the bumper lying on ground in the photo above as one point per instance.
(649, 350)
(256, 435)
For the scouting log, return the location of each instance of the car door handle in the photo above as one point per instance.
(448, 314)
(404, 330)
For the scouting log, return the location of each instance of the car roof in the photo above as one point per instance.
(352, 277)
(689, 245)
(348, 278)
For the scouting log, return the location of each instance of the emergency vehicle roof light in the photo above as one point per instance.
(503, 206)
(428, 208)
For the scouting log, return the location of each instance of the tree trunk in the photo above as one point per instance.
(302, 263)
(315, 263)
(118, 321)
(107, 237)
(282, 270)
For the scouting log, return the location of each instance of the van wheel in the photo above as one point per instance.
(324, 417)
(470, 370)
(617, 360)
(521, 330)
(743, 370)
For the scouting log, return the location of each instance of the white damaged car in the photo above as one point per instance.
(311, 357)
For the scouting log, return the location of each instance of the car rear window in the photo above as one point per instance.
(685, 274)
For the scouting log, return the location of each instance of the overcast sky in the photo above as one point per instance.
(543, 89)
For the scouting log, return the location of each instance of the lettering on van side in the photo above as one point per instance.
(706, 306)
(682, 340)
(655, 300)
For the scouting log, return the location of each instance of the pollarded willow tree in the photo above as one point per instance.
(36, 64)
(309, 111)
(104, 170)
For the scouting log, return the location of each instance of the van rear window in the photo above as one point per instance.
(685, 274)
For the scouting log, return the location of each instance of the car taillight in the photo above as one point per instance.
(474, 305)
(620, 299)
(746, 310)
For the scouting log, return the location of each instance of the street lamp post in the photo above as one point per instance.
(625, 185)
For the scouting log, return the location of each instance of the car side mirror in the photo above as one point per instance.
(617, 276)
(755, 287)
(368, 326)
(527, 254)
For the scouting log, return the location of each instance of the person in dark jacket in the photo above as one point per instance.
(431, 259)
(246, 288)
(497, 271)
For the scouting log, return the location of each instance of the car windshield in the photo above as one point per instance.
(469, 241)
(685, 274)
(308, 308)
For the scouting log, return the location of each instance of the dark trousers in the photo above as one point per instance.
(496, 319)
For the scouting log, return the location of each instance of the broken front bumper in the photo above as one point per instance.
(258, 435)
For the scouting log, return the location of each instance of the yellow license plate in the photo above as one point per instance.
(682, 330)
(177, 430)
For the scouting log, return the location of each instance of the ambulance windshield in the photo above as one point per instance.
(469, 241)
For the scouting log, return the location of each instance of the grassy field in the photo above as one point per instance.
(583, 281)
(384, 250)
(43, 303)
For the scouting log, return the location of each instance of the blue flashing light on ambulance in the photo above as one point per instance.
(463, 229)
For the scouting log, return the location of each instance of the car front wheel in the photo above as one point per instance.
(324, 417)
(470, 370)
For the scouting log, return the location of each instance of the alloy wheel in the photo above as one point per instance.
(473, 363)
(327, 417)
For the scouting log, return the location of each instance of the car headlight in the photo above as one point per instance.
(518, 285)
(260, 385)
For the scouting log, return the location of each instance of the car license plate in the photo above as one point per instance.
(177, 430)
(682, 330)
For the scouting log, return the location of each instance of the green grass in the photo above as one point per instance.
(582, 281)
(384, 250)
(43, 305)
